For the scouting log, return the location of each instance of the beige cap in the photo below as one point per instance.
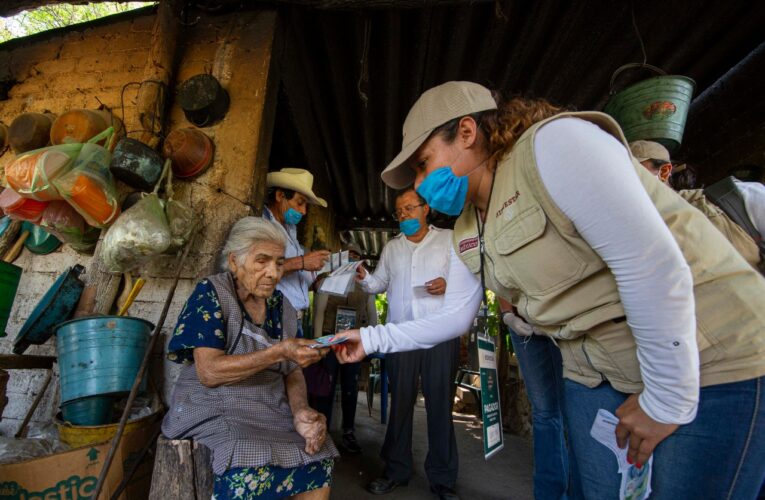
(295, 179)
(649, 150)
(435, 107)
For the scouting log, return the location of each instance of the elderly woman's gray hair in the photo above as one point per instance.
(246, 232)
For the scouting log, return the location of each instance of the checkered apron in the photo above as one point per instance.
(248, 423)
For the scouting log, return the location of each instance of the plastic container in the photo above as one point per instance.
(190, 151)
(101, 355)
(77, 436)
(79, 125)
(30, 131)
(10, 276)
(93, 410)
(39, 241)
(19, 208)
(654, 109)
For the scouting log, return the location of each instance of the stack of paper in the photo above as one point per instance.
(341, 280)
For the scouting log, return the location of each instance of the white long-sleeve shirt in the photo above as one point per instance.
(753, 194)
(589, 176)
(403, 270)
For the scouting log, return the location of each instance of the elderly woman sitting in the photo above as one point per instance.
(242, 392)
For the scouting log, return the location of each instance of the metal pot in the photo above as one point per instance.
(203, 100)
(136, 164)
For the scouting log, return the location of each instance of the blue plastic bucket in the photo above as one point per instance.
(94, 410)
(100, 355)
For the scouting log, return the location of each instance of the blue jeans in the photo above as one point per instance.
(720, 455)
(541, 366)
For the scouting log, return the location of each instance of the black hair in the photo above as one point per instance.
(271, 194)
(402, 192)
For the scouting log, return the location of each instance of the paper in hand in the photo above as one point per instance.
(636, 483)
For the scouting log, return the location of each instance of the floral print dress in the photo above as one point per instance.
(201, 324)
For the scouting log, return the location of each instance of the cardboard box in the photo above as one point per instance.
(72, 475)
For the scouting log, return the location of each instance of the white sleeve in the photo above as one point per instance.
(590, 177)
(754, 201)
(378, 281)
(454, 318)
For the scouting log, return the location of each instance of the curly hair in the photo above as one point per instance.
(502, 127)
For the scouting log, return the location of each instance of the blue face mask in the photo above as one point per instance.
(444, 191)
(409, 226)
(292, 216)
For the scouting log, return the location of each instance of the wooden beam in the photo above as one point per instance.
(25, 362)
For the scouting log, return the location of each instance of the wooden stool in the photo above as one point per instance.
(182, 469)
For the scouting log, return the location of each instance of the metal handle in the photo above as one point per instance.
(633, 66)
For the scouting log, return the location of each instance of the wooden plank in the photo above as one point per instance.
(173, 475)
(203, 474)
(25, 362)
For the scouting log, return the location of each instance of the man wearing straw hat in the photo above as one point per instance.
(290, 190)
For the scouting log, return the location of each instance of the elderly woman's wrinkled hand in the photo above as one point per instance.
(312, 425)
(297, 350)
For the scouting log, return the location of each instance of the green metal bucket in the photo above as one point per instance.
(654, 109)
(10, 276)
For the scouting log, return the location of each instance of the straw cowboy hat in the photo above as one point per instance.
(295, 179)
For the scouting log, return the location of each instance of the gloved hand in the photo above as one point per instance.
(517, 324)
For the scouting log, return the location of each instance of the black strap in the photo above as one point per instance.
(481, 246)
(727, 197)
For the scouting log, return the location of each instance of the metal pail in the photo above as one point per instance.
(654, 109)
(100, 355)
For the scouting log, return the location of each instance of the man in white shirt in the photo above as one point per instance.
(290, 190)
(412, 272)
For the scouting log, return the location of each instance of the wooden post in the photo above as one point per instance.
(158, 73)
(182, 469)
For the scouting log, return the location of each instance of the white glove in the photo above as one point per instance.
(517, 324)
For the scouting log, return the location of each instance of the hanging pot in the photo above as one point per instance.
(654, 109)
(136, 164)
(3, 137)
(79, 125)
(203, 100)
(190, 151)
(30, 131)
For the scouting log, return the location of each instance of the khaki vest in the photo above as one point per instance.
(356, 299)
(536, 260)
(734, 233)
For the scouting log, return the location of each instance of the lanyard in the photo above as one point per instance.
(482, 249)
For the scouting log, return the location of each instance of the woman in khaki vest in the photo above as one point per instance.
(659, 320)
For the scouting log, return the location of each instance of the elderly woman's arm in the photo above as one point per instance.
(309, 423)
(215, 367)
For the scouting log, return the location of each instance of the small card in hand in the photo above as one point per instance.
(327, 341)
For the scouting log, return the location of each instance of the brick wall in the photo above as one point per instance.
(87, 67)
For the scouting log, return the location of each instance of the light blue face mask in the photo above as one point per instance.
(292, 216)
(409, 226)
(444, 191)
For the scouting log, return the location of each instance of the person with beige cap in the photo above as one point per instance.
(290, 191)
(658, 319)
(655, 158)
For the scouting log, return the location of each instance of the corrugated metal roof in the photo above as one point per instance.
(350, 77)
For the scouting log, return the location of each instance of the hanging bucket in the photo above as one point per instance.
(10, 276)
(654, 109)
(100, 356)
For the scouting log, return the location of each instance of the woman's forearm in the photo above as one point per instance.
(297, 394)
(215, 367)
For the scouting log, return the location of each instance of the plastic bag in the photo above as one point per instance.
(139, 234)
(66, 224)
(89, 186)
(180, 217)
(31, 174)
(19, 208)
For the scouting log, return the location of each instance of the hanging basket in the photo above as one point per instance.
(654, 109)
